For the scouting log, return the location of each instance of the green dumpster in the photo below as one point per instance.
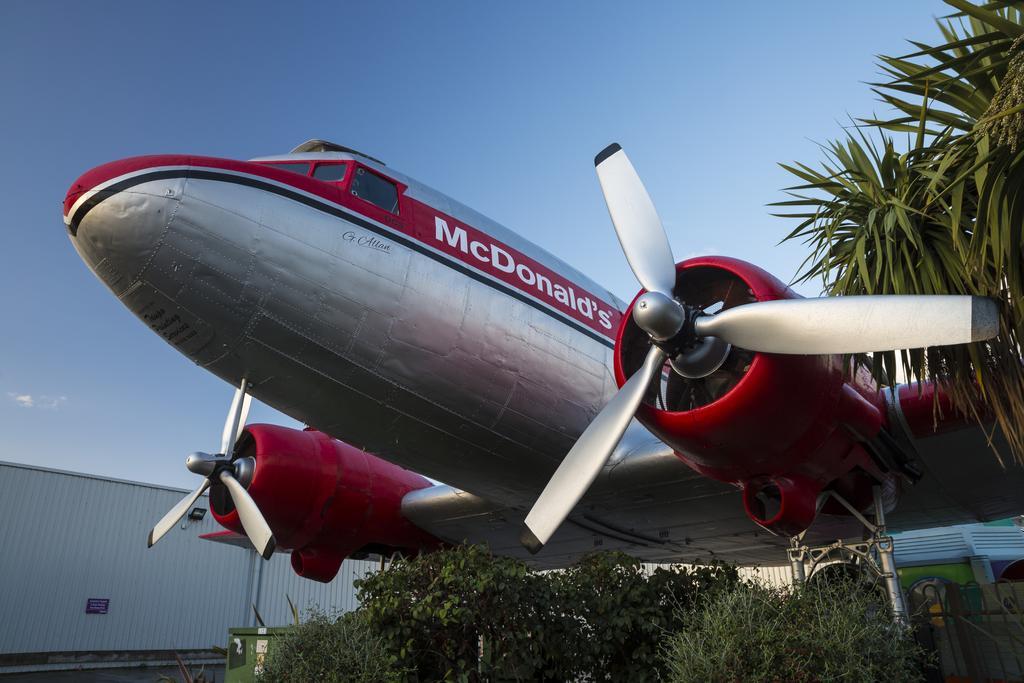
(247, 648)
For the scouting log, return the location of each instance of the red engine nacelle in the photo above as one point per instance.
(324, 499)
(782, 427)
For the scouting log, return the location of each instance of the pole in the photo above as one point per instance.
(884, 545)
(796, 561)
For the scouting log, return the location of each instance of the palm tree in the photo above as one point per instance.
(942, 215)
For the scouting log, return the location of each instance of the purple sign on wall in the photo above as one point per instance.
(97, 605)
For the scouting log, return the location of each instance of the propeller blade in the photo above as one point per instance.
(854, 324)
(256, 528)
(588, 455)
(176, 513)
(235, 422)
(636, 221)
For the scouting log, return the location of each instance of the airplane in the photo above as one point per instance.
(717, 416)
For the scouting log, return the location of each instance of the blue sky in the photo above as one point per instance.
(501, 105)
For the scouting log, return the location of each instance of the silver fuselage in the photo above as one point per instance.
(350, 326)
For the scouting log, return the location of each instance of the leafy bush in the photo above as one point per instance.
(621, 613)
(599, 620)
(461, 614)
(331, 651)
(816, 633)
(434, 609)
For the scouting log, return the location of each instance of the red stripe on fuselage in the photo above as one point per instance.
(502, 262)
(439, 231)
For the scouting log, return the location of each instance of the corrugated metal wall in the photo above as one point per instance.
(65, 538)
(778, 577)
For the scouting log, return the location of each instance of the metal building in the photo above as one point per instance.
(78, 587)
(982, 553)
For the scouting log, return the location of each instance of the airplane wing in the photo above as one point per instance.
(649, 503)
(962, 481)
(646, 502)
(235, 539)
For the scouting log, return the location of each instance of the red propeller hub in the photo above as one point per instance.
(324, 499)
(783, 427)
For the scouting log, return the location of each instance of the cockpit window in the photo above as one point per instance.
(376, 190)
(302, 168)
(329, 172)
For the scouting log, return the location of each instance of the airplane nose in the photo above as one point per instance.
(115, 219)
(74, 192)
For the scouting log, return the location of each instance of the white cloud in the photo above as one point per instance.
(23, 400)
(44, 402)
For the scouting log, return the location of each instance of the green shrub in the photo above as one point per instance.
(599, 620)
(816, 633)
(461, 614)
(330, 650)
(621, 613)
(433, 610)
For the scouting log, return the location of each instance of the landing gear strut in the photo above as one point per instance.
(875, 554)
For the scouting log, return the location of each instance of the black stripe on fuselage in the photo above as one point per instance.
(337, 212)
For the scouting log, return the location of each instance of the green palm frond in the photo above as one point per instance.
(883, 221)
